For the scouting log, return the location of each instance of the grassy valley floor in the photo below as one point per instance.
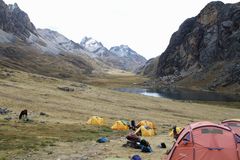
(63, 134)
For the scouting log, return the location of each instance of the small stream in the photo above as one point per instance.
(183, 94)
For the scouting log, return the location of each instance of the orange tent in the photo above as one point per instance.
(205, 141)
(234, 124)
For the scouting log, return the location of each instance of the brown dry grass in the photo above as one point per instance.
(115, 78)
(70, 110)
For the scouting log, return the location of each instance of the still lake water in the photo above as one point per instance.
(183, 94)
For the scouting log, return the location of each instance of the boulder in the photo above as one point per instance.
(66, 89)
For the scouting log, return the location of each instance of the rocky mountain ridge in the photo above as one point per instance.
(56, 43)
(59, 39)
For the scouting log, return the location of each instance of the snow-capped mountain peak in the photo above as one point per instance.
(123, 51)
(91, 44)
(122, 57)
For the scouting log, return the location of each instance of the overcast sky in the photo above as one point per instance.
(144, 25)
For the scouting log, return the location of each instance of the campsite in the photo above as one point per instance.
(64, 132)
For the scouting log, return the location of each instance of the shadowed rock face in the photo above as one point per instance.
(14, 20)
(202, 42)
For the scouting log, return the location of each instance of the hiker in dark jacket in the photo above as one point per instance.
(175, 134)
(133, 125)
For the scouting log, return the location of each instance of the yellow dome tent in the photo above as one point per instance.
(145, 131)
(95, 120)
(120, 125)
(146, 123)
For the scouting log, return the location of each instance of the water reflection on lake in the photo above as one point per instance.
(182, 94)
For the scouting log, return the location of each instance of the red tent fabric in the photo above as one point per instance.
(205, 141)
(234, 124)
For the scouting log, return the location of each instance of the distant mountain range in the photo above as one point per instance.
(48, 52)
(204, 53)
(121, 57)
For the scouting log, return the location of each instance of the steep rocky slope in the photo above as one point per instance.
(59, 40)
(205, 51)
(14, 20)
(149, 68)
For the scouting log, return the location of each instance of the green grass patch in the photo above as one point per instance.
(24, 137)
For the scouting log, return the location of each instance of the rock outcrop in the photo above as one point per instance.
(205, 50)
(16, 21)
